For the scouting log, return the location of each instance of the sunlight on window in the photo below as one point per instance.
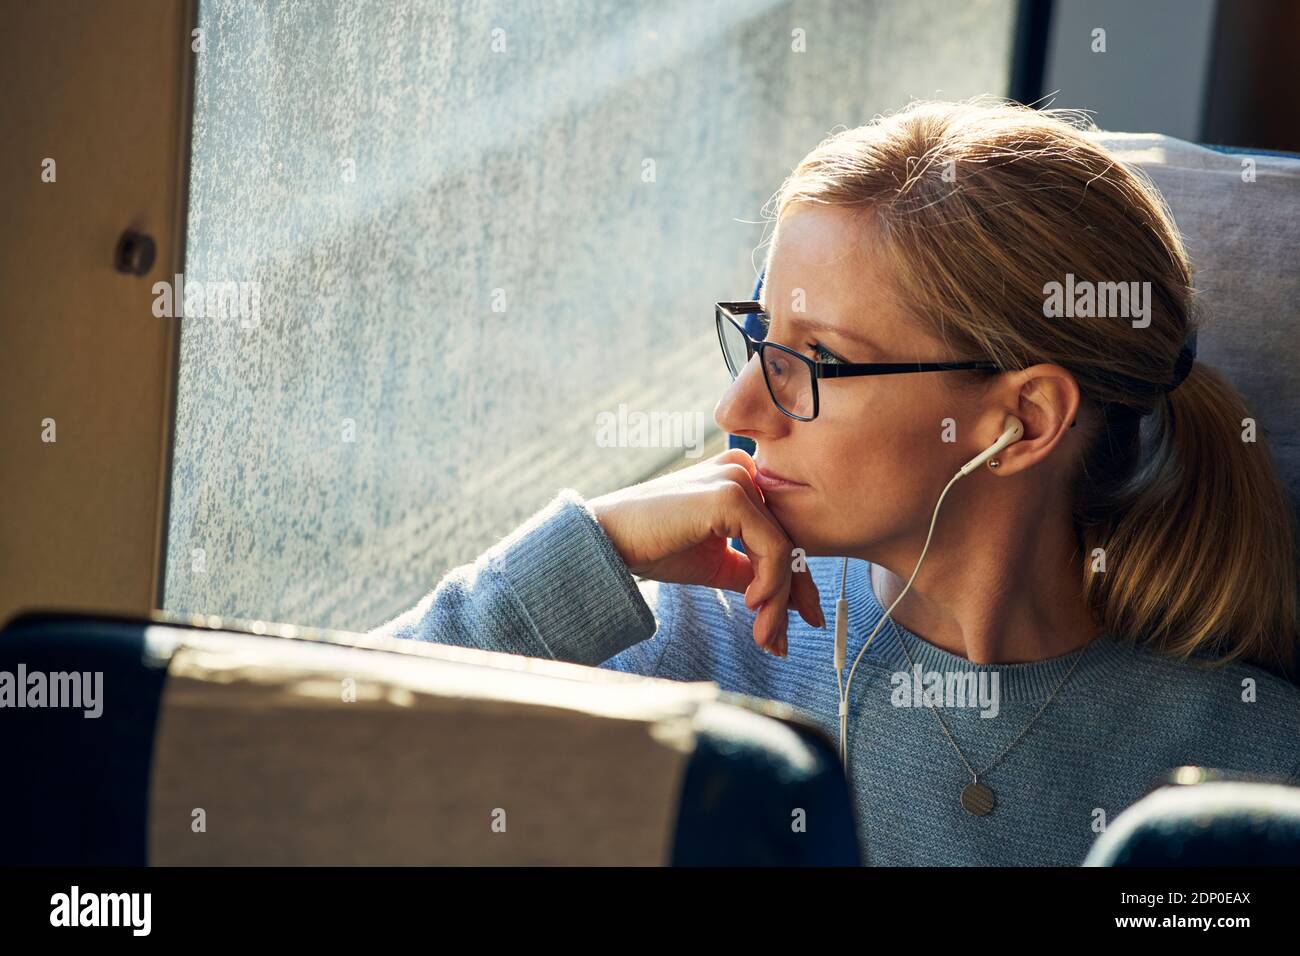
(483, 240)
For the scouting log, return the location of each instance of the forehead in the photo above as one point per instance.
(831, 255)
(822, 250)
(828, 253)
(822, 238)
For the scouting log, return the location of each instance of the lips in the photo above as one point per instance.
(769, 480)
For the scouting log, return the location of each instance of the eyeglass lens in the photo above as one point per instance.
(788, 379)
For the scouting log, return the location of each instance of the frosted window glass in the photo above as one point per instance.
(462, 260)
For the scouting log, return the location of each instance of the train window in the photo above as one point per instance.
(483, 252)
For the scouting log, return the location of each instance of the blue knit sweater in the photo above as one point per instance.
(556, 588)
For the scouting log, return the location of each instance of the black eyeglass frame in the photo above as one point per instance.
(819, 370)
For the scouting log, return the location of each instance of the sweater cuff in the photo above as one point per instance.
(577, 592)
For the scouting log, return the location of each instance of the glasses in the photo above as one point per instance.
(792, 378)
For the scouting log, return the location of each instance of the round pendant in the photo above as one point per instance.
(977, 799)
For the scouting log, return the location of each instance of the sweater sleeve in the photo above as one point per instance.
(555, 588)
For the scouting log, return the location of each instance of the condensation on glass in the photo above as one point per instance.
(469, 242)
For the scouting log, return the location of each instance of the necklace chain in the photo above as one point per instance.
(998, 759)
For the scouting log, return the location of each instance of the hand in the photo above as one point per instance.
(675, 528)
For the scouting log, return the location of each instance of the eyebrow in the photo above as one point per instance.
(816, 325)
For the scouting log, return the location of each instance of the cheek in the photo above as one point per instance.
(868, 487)
(838, 510)
(845, 476)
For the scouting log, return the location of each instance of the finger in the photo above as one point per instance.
(760, 627)
(738, 568)
(768, 549)
(735, 571)
(781, 627)
(767, 626)
(738, 456)
(733, 514)
(744, 477)
(803, 595)
(806, 598)
(772, 576)
(773, 620)
(767, 546)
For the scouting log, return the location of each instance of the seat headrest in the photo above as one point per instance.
(1239, 215)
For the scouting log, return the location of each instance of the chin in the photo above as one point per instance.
(806, 531)
(818, 534)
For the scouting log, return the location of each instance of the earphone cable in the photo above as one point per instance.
(845, 688)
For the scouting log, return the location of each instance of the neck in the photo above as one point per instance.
(990, 597)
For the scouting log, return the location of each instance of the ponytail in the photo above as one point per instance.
(1193, 550)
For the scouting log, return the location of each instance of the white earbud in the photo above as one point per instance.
(1013, 431)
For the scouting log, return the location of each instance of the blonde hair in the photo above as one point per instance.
(977, 206)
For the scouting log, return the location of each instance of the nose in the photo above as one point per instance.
(746, 407)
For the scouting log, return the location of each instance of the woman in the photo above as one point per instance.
(1113, 588)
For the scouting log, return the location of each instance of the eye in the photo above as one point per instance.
(820, 352)
(825, 355)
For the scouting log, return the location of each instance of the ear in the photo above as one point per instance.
(1046, 399)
